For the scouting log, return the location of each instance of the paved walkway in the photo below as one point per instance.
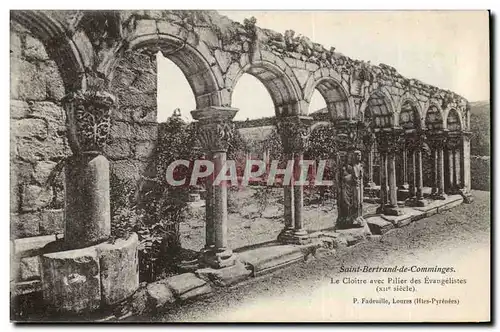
(458, 238)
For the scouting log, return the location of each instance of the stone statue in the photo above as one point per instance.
(350, 200)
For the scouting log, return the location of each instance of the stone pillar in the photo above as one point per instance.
(388, 146)
(294, 132)
(416, 143)
(87, 210)
(370, 146)
(215, 130)
(440, 175)
(456, 163)
(405, 185)
(451, 184)
(413, 179)
(434, 159)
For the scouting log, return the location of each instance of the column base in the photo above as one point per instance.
(217, 258)
(439, 196)
(467, 196)
(417, 202)
(389, 210)
(404, 186)
(294, 236)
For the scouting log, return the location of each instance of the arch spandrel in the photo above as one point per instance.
(277, 78)
(72, 55)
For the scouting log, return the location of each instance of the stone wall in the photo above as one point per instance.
(134, 128)
(480, 172)
(38, 138)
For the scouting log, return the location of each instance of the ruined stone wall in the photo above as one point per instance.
(134, 128)
(38, 138)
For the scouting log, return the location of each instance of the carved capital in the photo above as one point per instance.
(349, 134)
(215, 128)
(437, 139)
(390, 141)
(88, 115)
(295, 132)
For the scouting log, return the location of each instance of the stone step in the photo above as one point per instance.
(271, 257)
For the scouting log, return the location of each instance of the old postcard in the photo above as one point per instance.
(237, 166)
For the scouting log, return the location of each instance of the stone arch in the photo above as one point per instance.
(278, 79)
(454, 120)
(195, 61)
(340, 106)
(379, 110)
(434, 118)
(409, 113)
(71, 54)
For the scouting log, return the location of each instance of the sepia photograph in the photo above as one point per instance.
(230, 166)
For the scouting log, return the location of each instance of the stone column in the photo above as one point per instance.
(405, 185)
(389, 142)
(215, 130)
(450, 154)
(86, 205)
(440, 174)
(383, 180)
(465, 178)
(456, 163)
(87, 189)
(294, 132)
(434, 159)
(413, 182)
(288, 208)
(370, 145)
(418, 179)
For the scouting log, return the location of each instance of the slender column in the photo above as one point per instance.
(294, 132)
(383, 180)
(215, 129)
(440, 154)
(434, 171)
(298, 201)
(419, 176)
(288, 198)
(451, 169)
(456, 156)
(393, 189)
(209, 217)
(220, 204)
(370, 167)
(413, 182)
(405, 184)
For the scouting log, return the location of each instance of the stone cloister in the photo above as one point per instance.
(372, 108)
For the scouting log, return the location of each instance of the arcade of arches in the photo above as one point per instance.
(391, 119)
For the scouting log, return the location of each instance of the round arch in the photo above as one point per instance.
(434, 118)
(203, 75)
(454, 120)
(71, 57)
(338, 103)
(379, 111)
(409, 115)
(277, 78)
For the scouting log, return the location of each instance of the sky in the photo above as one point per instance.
(448, 49)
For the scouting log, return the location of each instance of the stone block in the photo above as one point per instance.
(31, 246)
(145, 150)
(35, 197)
(35, 150)
(225, 276)
(15, 44)
(29, 268)
(379, 226)
(42, 171)
(27, 287)
(144, 115)
(119, 269)
(34, 49)
(197, 292)
(49, 111)
(118, 149)
(159, 294)
(27, 81)
(71, 280)
(29, 128)
(269, 258)
(18, 109)
(145, 83)
(184, 283)
(52, 221)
